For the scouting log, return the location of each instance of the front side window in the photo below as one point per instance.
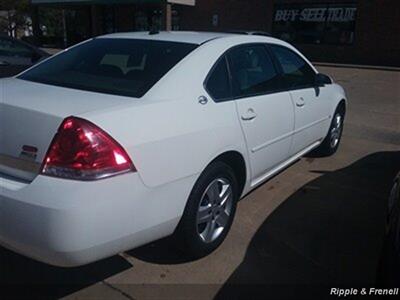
(126, 67)
(297, 72)
(218, 84)
(252, 71)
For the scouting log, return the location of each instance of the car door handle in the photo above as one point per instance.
(300, 102)
(249, 115)
(4, 63)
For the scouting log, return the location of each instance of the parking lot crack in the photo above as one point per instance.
(121, 292)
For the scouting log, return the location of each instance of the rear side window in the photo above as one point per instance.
(297, 72)
(218, 85)
(126, 67)
(252, 71)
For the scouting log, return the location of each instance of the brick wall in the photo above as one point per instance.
(232, 14)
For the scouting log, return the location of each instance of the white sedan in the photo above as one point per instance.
(131, 137)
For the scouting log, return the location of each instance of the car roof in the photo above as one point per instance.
(192, 37)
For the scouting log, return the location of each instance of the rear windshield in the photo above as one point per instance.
(124, 67)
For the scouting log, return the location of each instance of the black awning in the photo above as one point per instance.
(72, 2)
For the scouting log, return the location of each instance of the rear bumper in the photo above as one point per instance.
(70, 223)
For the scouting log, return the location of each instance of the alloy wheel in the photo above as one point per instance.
(214, 210)
(336, 130)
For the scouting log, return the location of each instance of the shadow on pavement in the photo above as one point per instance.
(389, 267)
(23, 278)
(330, 233)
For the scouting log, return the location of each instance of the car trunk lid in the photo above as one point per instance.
(30, 114)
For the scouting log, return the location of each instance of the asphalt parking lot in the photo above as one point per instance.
(321, 222)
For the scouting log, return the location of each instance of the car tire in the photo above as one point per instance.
(331, 143)
(209, 212)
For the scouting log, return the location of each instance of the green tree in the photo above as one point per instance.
(14, 15)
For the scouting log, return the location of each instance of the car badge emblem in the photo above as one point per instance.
(28, 152)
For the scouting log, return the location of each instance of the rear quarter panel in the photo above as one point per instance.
(171, 140)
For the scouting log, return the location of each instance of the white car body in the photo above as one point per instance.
(168, 134)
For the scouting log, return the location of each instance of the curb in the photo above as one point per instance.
(351, 66)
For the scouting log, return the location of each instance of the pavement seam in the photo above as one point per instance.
(121, 292)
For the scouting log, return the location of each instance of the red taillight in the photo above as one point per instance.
(80, 150)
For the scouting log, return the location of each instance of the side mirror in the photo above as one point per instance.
(322, 79)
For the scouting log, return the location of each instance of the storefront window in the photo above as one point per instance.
(61, 27)
(148, 20)
(175, 20)
(141, 21)
(109, 19)
(156, 20)
(78, 25)
(315, 24)
(51, 26)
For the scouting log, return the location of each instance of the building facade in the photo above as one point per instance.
(340, 31)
